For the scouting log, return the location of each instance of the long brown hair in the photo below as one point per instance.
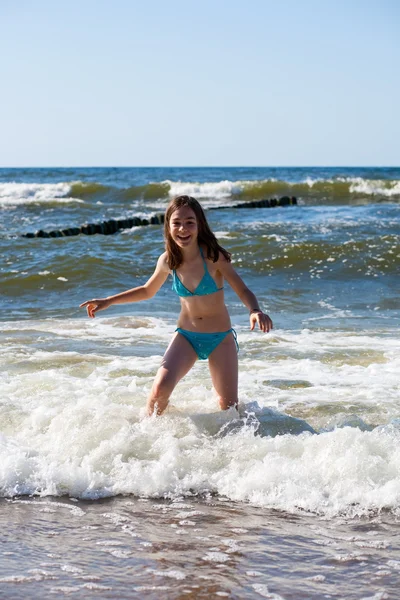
(205, 235)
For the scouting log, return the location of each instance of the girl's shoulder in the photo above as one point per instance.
(221, 260)
(162, 262)
(216, 266)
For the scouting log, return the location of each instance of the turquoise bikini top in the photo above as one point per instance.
(206, 286)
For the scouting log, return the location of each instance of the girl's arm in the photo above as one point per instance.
(245, 295)
(142, 292)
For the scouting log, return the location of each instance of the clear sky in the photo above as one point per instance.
(199, 82)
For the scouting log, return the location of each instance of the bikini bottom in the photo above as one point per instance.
(204, 343)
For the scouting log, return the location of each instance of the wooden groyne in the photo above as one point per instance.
(284, 201)
(105, 227)
(113, 225)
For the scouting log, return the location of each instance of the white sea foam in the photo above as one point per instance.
(359, 185)
(13, 194)
(72, 422)
(217, 189)
(209, 192)
(171, 573)
(376, 187)
(216, 556)
(221, 190)
(262, 590)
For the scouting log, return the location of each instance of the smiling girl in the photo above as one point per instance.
(199, 268)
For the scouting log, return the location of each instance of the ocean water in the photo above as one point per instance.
(296, 495)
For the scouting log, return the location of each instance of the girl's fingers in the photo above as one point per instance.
(91, 307)
(86, 303)
(267, 324)
(264, 322)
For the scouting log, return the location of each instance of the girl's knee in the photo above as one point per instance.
(163, 384)
(160, 392)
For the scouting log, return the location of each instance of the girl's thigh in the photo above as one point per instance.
(223, 364)
(178, 359)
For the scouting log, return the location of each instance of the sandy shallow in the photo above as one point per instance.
(127, 547)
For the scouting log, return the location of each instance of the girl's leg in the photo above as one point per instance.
(178, 359)
(223, 364)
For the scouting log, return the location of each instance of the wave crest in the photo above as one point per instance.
(12, 193)
(338, 190)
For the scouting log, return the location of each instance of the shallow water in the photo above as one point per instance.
(192, 548)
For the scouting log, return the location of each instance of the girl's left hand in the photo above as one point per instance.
(263, 320)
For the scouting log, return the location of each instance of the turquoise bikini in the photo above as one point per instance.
(202, 343)
(206, 286)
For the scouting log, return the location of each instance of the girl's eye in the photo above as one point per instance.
(177, 223)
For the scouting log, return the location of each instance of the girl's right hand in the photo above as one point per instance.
(93, 306)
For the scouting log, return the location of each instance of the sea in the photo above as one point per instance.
(295, 495)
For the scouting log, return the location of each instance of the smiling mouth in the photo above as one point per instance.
(183, 238)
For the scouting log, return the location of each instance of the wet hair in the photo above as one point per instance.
(205, 235)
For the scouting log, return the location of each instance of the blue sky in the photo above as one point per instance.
(142, 83)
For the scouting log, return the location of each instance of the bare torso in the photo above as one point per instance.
(202, 313)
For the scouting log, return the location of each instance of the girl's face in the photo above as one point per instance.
(183, 227)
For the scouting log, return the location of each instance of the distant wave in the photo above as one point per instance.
(12, 194)
(79, 189)
(339, 190)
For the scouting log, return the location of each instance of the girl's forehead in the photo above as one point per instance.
(184, 212)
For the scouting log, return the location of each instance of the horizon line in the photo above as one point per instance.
(354, 166)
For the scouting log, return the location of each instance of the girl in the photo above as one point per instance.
(199, 267)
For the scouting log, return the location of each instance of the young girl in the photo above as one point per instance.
(199, 267)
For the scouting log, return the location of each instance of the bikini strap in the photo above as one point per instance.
(202, 255)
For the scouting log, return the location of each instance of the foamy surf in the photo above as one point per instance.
(14, 194)
(345, 471)
(309, 188)
(73, 419)
(155, 195)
